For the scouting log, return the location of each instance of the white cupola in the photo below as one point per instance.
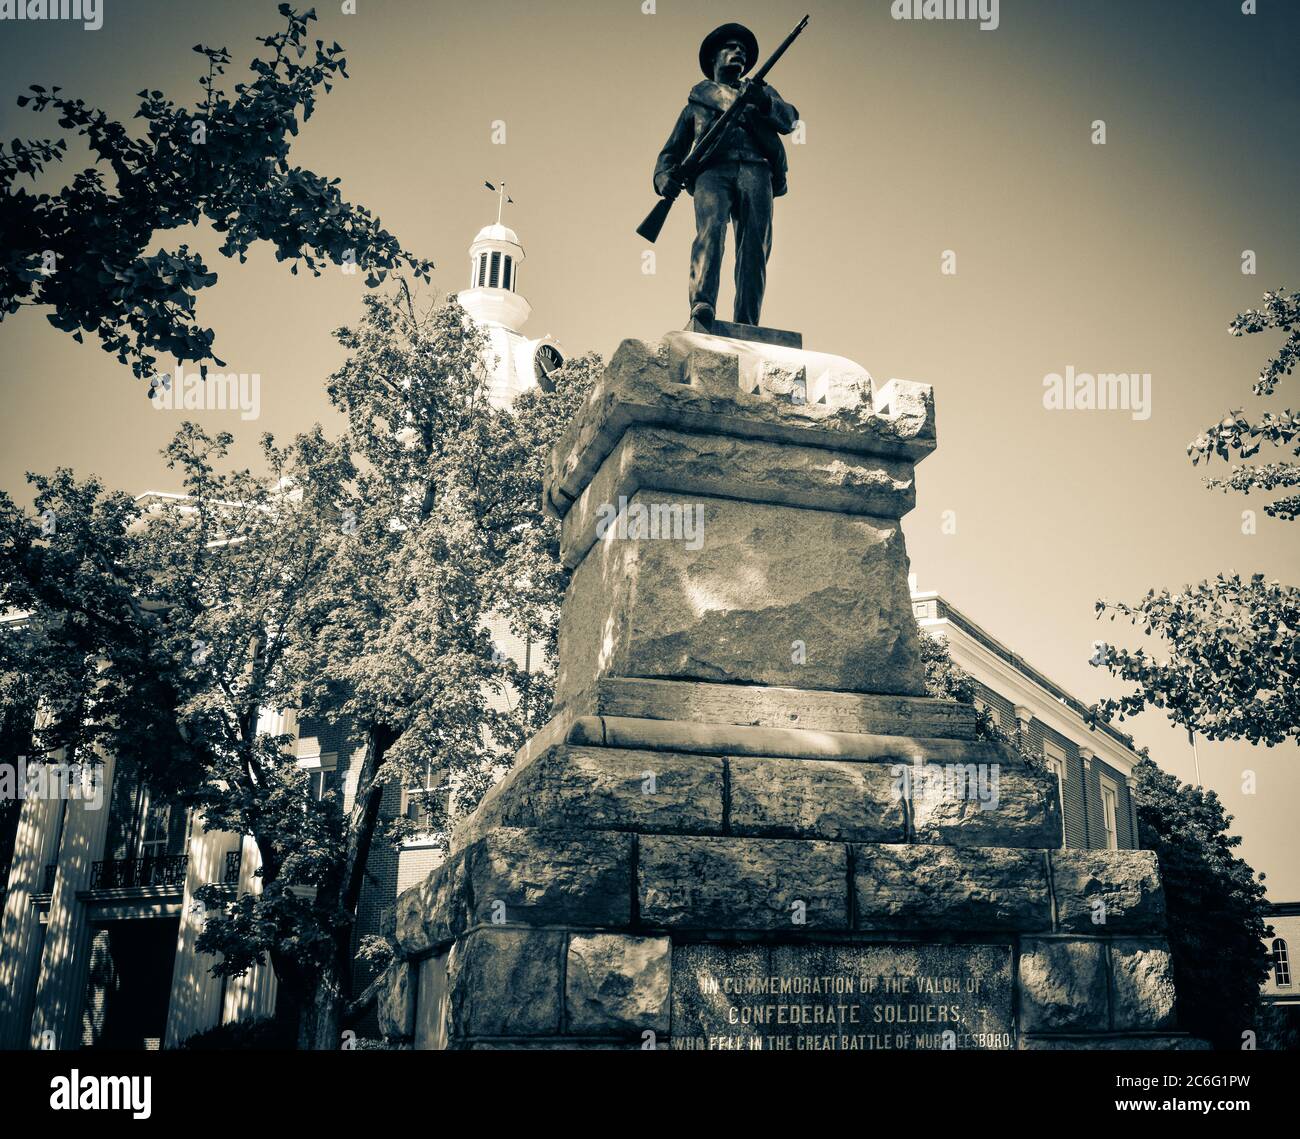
(492, 297)
(493, 301)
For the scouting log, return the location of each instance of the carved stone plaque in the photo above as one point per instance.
(841, 998)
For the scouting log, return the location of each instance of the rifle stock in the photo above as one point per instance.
(654, 220)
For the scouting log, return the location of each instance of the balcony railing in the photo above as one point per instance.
(129, 873)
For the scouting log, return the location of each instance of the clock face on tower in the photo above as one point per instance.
(546, 360)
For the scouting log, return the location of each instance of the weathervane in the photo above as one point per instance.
(502, 198)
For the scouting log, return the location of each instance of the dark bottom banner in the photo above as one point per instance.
(358, 1088)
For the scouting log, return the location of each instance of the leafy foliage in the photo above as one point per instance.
(1239, 434)
(1231, 668)
(1217, 912)
(83, 250)
(351, 579)
(947, 680)
(441, 530)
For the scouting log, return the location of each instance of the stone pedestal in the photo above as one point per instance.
(746, 826)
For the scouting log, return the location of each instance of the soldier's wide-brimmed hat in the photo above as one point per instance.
(716, 38)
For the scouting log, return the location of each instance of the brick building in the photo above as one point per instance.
(1093, 768)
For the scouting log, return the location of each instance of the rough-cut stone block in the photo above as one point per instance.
(433, 1006)
(395, 1003)
(542, 877)
(608, 789)
(976, 803)
(742, 883)
(758, 706)
(1108, 891)
(1063, 986)
(506, 982)
(434, 911)
(618, 983)
(909, 405)
(904, 887)
(783, 381)
(710, 370)
(711, 385)
(795, 798)
(660, 461)
(520, 876)
(1142, 985)
(766, 588)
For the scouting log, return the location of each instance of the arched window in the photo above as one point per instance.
(1281, 964)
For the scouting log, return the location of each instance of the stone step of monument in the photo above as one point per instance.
(718, 885)
(660, 792)
(793, 743)
(759, 706)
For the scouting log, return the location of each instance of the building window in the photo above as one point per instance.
(154, 834)
(1109, 813)
(494, 274)
(1054, 757)
(424, 801)
(321, 775)
(482, 270)
(505, 272)
(1281, 964)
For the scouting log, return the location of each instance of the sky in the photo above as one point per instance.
(927, 144)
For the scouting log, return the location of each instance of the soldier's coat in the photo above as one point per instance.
(757, 137)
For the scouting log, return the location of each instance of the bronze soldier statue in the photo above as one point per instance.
(737, 178)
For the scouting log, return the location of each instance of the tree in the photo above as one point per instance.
(83, 250)
(1231, 670)
(1218, 917)
(161, 634)
(349, 579)
(439, 526)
